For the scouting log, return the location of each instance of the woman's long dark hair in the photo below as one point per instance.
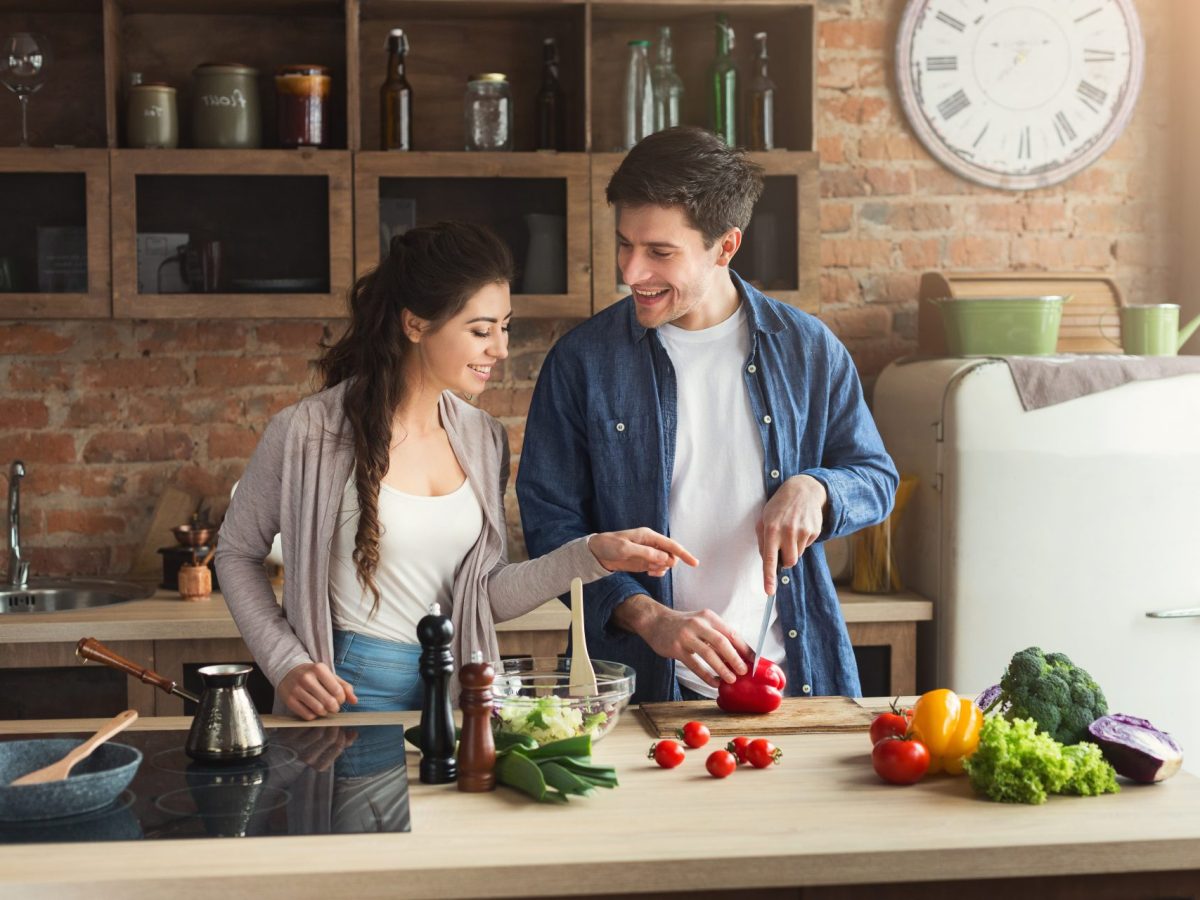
(432, 271)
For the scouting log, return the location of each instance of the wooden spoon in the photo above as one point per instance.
(57, 771)
(583, 676)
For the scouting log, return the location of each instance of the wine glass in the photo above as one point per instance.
(23, 60)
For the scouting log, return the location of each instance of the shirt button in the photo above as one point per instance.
(785, 580)
(620, 426)
(766, 420)
(807, 688)
(774, 473)
(752, 368)
(793, 633)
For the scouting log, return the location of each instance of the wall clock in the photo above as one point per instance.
(1019, 94)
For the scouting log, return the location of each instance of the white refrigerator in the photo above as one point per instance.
(1062, 527)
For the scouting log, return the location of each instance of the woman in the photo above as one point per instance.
(387, 491)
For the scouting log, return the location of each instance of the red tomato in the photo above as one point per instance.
(721, 763)
(900, 760)
(738, 747)
(888, 725)
(667, 754)
(694, 734)
(762, 753)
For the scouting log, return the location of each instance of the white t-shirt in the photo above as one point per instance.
(423, 541)
(717, 492)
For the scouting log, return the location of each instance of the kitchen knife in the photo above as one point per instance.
(762, 632)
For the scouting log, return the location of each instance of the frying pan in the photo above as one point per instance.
(94, 783)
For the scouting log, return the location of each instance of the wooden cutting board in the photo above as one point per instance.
(796, 715)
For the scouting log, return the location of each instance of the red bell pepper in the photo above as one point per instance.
(757, 692)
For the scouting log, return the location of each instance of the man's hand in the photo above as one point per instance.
(699, 640)
(311, 691)
(791, 521)
(638, 550)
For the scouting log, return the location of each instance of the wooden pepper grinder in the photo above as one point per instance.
(477, 749)
(438, 764)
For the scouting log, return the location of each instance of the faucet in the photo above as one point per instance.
(18, 568)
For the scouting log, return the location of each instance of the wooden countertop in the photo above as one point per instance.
(822, 817)
(165, 616)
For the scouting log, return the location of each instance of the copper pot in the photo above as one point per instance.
(193, 535)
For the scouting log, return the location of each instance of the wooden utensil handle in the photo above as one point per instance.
(92, 649)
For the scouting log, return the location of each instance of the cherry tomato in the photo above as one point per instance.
(720, 763)
(694, 734)
(667, 754)
(900, 760)
(738, 747)
(888, 725)
(762, 753)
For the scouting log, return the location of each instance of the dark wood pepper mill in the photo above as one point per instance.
(477, 749)
(438, 765)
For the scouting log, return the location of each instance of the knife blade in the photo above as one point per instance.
(762, 632)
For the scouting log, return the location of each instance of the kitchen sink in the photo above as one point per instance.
(41, 595)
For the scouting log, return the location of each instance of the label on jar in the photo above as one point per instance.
(237, 99)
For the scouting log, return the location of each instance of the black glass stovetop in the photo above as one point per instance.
(330, 780)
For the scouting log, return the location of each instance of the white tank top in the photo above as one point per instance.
(423, 541)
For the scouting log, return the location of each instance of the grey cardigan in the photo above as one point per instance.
(293, 487)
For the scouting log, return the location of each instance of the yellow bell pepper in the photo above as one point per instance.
(948, 726)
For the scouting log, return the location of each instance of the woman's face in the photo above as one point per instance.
(459, 354)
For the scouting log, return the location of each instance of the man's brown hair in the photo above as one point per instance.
(714, 184)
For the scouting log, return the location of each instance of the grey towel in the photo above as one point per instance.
(1046, 380)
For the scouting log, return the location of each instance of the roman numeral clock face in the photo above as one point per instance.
(1019, 94)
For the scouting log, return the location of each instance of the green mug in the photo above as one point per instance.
(1152, 329)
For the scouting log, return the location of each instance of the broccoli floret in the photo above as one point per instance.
(1057, 694)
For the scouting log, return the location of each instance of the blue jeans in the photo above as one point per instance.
(385, 675)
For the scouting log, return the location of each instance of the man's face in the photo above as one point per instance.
(664, 261)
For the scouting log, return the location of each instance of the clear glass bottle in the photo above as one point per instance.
(550, 106)
(396, 97)
(723, 78)
(668, 86)
(487, 112)
(762, 99)
(639, 95)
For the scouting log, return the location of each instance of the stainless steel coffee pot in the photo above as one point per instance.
(226, 727)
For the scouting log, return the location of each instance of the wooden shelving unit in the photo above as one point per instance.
(98, 43)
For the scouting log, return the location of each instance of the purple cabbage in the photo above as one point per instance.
(988, 697)
(1136, 749)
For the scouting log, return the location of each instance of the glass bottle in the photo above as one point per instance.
(762, 100)
(639, 95)
(722, 101)
(668, 86)
(396, 97)
(550, 105)
(487, 112)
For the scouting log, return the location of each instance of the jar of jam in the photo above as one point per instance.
(302, 95)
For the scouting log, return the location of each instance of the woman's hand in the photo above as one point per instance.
(638, 550)
(312, 691)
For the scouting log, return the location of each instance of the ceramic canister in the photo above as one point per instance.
(225, 109)
(151, 118)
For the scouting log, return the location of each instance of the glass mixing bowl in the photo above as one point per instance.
(531, 695)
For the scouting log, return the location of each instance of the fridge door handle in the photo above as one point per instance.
(1193, 612)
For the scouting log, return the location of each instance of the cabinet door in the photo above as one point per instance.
(46, 681)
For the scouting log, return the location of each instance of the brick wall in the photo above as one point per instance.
(107, 414)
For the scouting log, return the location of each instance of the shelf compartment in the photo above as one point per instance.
(54, 188)
(451, 40)
(281, 215)
(496, 189)
(791, 42)
(68, 110)
(166, 39)
(784, 261)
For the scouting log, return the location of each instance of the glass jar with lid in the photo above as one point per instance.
(487, 112)
(301, 94)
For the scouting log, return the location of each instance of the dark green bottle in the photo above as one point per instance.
(723, 86)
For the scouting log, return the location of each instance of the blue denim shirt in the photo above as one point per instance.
(599, 452)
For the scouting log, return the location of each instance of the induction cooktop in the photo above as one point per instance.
(330, 780)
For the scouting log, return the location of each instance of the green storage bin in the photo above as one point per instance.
(1002, 326)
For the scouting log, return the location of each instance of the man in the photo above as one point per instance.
(702, 408)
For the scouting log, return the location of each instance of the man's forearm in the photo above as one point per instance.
(636, 614)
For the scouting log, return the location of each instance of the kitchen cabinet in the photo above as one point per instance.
(296, 226)
(810, 828)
